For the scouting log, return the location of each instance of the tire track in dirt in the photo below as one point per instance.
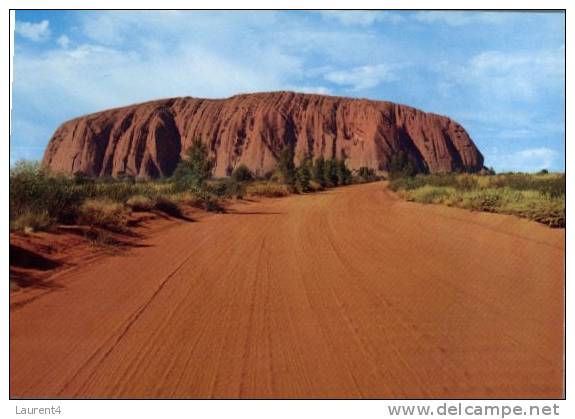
(343, 294)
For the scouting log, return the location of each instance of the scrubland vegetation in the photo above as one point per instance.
(539, 197)
(40, 199)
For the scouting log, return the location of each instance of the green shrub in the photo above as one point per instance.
(242, 174)
(344, 176)
(402, 165)
(226, 188)
(452, 180)
(552, 185)
(303, 177)
(285, 171)
(330, 173)
(466, 183)
(40, 199)
(35, 190)
(81, 178)
(537, 197)
(318, 170)
(114, 190)
(487, 171)
(195, 169)
(366, 174)
(407, 184)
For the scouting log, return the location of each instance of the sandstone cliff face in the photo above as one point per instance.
(148, 139)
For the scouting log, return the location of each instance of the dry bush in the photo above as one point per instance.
(140, 203)
(269, 189)
(30, 221)
(103, 213)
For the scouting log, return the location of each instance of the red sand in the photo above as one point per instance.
(349, 293)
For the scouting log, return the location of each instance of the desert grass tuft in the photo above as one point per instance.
(30, 221)
(200, 199)
(103, 213)
(539, 197)
(269, 189)
(140, 203)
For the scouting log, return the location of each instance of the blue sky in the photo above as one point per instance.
(501, 75)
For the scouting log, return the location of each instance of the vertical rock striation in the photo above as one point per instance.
(148, 139)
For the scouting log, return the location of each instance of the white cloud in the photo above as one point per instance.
(137, 56)
(116, 27)
(109, 59)
(363, 77)
(527, 160)
(320, 90)
(455, 18)
(91, 77)
(348, 46)
(514, 134)
(521, 75)
(63, 41)
(362, 18)
(36, 32)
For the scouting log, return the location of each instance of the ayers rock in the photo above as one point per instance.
(148, 139)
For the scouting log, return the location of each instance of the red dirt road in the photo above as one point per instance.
(351, 293)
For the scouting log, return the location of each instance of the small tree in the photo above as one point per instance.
(487, 171)
(366, 174)
(330, 172)
(303, 176)
(242, 174)
(286, 167)
(195, 169)
(318, 171)
(82, 178)
(402, 165)
(343, 173)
